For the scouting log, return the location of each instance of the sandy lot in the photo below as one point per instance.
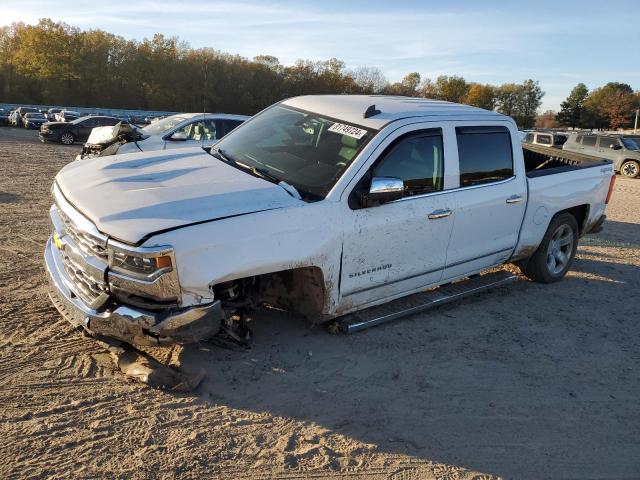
(529, 381)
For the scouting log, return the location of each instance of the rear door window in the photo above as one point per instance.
(589, 141)
(485, 155)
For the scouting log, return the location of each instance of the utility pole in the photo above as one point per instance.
(635, 125)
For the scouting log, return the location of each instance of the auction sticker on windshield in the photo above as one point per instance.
(348, 130)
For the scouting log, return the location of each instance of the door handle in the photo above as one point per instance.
(514, 199)
(439, 214)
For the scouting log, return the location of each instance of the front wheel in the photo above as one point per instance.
(554, 256)
(67, 138)
(630, 169)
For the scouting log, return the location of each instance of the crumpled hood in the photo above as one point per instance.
(131, 196)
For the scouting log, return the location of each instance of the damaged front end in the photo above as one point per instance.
(104, 141)
(106, 290)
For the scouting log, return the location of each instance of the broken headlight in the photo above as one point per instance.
(142, 263)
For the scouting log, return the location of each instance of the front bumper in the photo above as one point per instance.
(598, 225)
(49, 136)
(122, 322)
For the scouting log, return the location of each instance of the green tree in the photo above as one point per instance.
(520, 101)
(451, 88)
(572, 109)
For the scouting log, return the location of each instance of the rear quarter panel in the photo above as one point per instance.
(554, 193)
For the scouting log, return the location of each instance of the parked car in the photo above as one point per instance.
(33, 120)
(51, 114)
(78, 130)
(17, 120)
(547, 139)
(326, 206)
(621, 149)
(4, 116)
(177, 131)
(67, 116)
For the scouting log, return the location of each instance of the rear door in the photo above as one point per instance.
(490, 201)
(588, 145)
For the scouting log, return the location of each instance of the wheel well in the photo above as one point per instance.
(298, 290)
(580, 213)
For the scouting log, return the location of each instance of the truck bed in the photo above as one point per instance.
(540, 161)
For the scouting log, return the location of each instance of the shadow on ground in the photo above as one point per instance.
(478, 384)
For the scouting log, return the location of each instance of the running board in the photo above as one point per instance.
(419, 302)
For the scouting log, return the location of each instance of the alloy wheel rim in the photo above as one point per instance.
(630, 169)
(67, 138)
(559, 249)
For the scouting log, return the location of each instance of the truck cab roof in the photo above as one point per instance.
(352, 108)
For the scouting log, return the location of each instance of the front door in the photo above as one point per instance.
(399, 246)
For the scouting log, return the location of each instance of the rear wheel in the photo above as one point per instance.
(630, 169)
(67, 138)
(554, 256)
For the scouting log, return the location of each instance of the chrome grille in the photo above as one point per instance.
(83, 252)
(85, 241)
(91, 289)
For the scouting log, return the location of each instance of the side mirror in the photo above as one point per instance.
(179, 136)
(383, 190)
(615, 147)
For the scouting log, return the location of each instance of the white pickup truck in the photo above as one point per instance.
(321, 205)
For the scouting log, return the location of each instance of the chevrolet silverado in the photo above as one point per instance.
(327, 206)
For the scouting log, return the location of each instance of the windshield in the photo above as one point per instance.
(630, 143)
(304, 149)
(163, 125)
(34, 115)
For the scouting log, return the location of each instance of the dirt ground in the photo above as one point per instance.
(528, 381)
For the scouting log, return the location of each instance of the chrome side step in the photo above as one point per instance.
(421, 301)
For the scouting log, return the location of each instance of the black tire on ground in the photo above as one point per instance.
(67, 138)
(630, 169)
(554, 256)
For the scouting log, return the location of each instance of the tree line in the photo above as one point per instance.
(55, 63)
(611, 106)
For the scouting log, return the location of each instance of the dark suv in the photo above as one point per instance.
(622, 149)
(78, 130)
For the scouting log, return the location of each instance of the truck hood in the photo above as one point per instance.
(129, 197)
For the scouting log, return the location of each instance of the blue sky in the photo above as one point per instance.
(559, 43)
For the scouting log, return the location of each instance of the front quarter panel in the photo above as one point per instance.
(255, 244)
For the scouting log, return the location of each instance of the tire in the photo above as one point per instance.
(67, 138)
(630, 169)
(554, 256)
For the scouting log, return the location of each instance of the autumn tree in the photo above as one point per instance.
(611, 106)
(481, 96)
(407, 87)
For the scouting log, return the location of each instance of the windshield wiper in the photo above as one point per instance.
(257, 171)
(264, 173)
